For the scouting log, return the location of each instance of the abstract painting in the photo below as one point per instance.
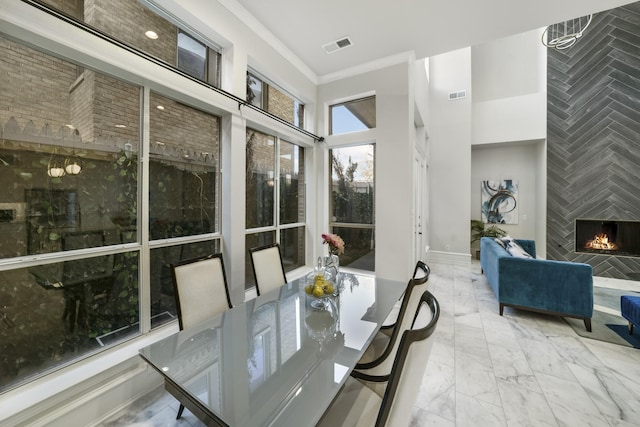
(500, 201)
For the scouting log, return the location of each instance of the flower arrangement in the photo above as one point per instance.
(335, 243)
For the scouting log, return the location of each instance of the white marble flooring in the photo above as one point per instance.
(521, 369)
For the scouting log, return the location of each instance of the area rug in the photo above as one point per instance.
(607, 323)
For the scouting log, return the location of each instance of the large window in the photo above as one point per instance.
(184, 159)
(352, 116)
(143, 29)
(352, 203)
(69, 202)
(275, 198)
(266, 96)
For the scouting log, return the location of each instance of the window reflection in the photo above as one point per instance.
(143, 29)
(163, 302)
(183, 170)
(70, 182)
(352, 203)
(61, 310)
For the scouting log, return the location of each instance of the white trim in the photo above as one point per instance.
(252, 22)
(448, 257)
(58, 388)
(400, 58)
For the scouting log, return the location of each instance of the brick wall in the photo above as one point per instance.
(35, 87)
(127, 20)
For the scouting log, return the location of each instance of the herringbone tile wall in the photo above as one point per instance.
(593, 134)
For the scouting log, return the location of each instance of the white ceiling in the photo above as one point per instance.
(381, 29)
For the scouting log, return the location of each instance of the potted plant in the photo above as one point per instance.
(478, 230)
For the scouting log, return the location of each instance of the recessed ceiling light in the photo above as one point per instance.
(151, 34)
(121, 126)
(70, 126)
(160, 107)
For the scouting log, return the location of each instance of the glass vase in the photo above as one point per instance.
(332, 267)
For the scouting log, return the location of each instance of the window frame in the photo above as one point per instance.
(299, 106)
(352, 225)
(344, 103)
(277, 227)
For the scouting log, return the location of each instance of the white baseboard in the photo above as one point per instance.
(85, 391)
(449, 257)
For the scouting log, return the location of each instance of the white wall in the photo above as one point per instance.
(509, 161)
(450, 156)
(509, 89)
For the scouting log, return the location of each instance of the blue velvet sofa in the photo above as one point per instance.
(555, 287)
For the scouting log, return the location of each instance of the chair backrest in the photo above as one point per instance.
(383, 364)
(268, 269)
(421, 270)
(409, 365)
(199, 286)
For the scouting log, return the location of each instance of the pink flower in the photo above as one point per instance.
(335, 242)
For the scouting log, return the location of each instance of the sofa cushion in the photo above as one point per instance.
(516, 250)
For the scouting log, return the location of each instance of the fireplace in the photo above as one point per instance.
(607, 237)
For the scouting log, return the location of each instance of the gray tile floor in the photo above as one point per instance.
(521, 369)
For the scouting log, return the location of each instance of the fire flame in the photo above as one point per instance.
(601, 241)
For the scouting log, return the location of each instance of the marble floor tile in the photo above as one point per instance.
(486, 370)
(525, 408)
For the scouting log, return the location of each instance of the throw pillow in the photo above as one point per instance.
(517, 251)
(500, 242)
(505, 240)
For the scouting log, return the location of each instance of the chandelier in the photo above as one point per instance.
(565, 34)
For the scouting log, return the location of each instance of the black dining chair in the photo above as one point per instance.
(267, 266)
(201, 291)
(420, 271)
(360, 404)
(378, 357)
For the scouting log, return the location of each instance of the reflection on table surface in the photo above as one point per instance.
(275, 360)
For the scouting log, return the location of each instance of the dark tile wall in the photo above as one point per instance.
(593, 132)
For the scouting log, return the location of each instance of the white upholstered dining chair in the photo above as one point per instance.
(201, 291)
(359, 405)
(379, 355)
(268, 269)
(420, 271)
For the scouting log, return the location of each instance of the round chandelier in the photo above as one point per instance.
(565, 34)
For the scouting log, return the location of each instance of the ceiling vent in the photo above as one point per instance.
(457, 95)
(337, 45)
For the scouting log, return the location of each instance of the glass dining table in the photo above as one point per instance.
(275, 360)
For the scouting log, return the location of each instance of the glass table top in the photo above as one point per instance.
(275, 360)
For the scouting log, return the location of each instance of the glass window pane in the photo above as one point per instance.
(163, 303)
(260, 188)
(352, 116)
(281, 105)
(213, 73)
(271, 99)
(65, 172)
(359, 249)
(129, 21)
(292, 185)
(352, 184)
(292, 244)
(69, 165)
(254, 90)
(55, 313)
(253, 241)
(192, 56)
(184, 162)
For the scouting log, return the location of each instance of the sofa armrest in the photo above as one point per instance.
(555, 286)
